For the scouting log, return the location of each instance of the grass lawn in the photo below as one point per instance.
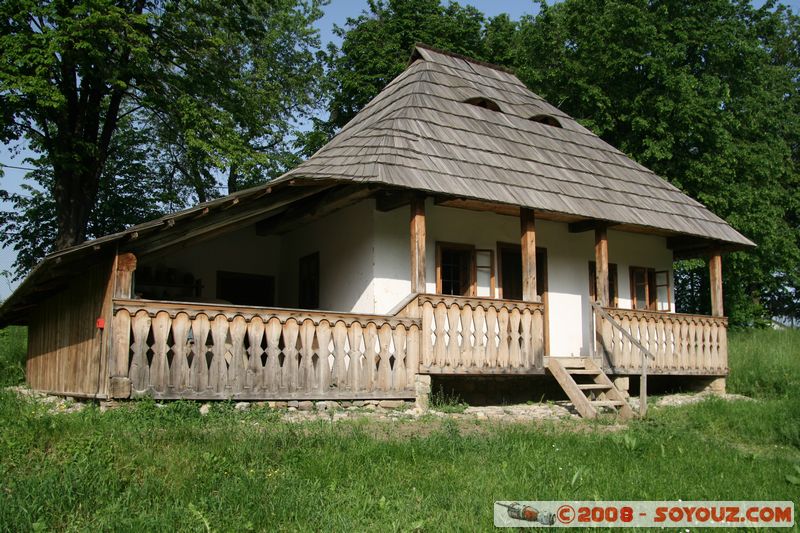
(145, 467)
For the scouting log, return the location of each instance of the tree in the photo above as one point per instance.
(217, 84)
(705, 93)
(132, 189)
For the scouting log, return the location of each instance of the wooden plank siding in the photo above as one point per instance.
(67, 352)
(181, 350)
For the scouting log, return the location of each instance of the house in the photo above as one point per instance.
(458, 226)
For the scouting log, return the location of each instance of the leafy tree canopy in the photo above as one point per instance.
(705, 93)
(215, 87)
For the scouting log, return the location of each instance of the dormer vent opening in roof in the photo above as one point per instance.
(547, 120)
(485, 103)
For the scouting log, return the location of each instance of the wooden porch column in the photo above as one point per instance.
(715, 271)
(123, 282)
(418, 244)
(119, 385)
(527, 221)
(601, 265)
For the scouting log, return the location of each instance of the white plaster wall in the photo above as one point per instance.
(344, 240)
(238, 251)
(568, 255)
(392, 264)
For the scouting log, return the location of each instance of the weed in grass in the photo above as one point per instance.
(445, 402)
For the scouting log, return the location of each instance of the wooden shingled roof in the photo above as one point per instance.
(421, 133)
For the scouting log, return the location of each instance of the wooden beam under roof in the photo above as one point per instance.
(391, 199)
(590, 225)
(314, 207)
(218, 222)
(686, 242)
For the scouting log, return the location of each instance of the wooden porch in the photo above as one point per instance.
(172, 350)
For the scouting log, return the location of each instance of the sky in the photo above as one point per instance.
(336, 13)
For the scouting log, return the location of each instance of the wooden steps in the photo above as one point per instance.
(588, 387)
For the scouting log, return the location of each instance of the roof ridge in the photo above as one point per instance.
(415, 55)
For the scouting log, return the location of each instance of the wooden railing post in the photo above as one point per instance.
(123, 282)
(119, 382)
(417, 233)
(527, 220)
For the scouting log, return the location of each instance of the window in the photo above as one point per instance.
(308, 277)
(246, 289)
(455, 272)
(510, 269)
(613, 294)
(663, 300)
(484, 273)
(483, 102)
(650, 289)
(546, 120)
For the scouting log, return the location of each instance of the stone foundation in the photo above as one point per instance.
(624, 385)
(422, 387)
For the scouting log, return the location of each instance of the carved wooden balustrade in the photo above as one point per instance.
(480, 335)
(680, 343)
(205, 351)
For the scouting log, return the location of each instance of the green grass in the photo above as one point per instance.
(145, 467)
(765, 363)
(13, 346)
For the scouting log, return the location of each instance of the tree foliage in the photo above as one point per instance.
(132, 189)
(705, 93)
(217, 85)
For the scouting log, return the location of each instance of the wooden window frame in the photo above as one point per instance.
(613, 273)
(651, 287)
(544, 296)
(492, 271)
(632, 270)
(668, 285)
(511, 246)
(500, 247)
(472, 271)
